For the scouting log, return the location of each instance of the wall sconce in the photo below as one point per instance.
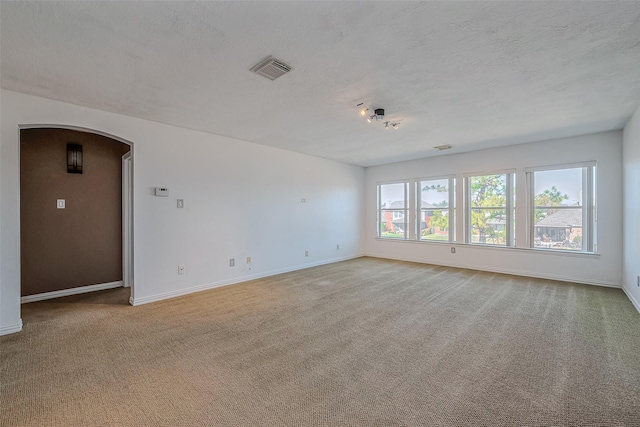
(74, 158)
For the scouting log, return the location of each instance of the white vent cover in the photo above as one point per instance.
(271, 68)
(442, 147)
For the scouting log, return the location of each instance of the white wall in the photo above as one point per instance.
(602, 269)
(631, 209)
(241, 199)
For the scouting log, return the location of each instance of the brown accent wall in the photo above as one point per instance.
(81, 244)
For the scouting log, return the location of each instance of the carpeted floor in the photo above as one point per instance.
(366, 342)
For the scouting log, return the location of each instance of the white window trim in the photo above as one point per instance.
(452, 207)
(589, 210)
(509, 207)
(406, 209)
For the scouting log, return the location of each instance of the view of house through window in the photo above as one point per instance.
(563, 208)
(560, 212)
(490, 214)
(393, 210)
(436, 213)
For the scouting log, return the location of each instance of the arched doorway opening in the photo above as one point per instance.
(76, 229)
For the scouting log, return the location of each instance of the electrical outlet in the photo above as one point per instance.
(453, 250)
(182, 269)
(306, 253)
(232, 262)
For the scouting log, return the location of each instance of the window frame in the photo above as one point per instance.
(509, 207)
(404, 210)
(588, 204)
(451, 208)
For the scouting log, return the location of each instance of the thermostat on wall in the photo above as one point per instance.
(162, 192)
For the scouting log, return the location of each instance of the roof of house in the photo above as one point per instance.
(563, 218)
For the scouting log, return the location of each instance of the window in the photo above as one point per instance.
(393, 210)
(436, 209)
(563, 208)
(491, 207)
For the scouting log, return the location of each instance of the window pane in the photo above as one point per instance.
(489, 226)
(434, 210)
(491, 210)
(558, 213)
(558, 187)
(558, 229)
(488, 191)
(393, 213)
(434, 224)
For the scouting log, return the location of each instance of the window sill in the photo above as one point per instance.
(542, 251)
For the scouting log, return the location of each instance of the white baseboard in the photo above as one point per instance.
(509, 271)
(11, 329)
(72, 291)
(186, 291)
(633, 300)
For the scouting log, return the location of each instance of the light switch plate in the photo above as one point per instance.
(180, 203)
(60, 203)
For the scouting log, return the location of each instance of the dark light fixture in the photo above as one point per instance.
(378, 115)
(74, 158)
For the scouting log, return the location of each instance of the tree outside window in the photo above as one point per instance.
(436, 209)
(491, 209)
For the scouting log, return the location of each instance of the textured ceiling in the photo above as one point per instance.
(473, 75)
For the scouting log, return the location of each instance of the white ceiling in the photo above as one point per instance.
(470, 74)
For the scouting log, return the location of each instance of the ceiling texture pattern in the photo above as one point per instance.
(470, 74)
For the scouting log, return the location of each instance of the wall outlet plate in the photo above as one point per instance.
(232, 262)
(182, 269)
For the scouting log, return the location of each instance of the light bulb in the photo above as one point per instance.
(369, 119)
(363, 112)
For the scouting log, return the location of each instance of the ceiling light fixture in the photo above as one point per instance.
(378, 115)
(393, 125)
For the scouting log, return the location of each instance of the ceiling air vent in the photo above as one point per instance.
(442, 147)
(271, 68)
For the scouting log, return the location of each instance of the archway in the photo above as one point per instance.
(73, 240)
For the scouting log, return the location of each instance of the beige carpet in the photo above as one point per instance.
(366, 342)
